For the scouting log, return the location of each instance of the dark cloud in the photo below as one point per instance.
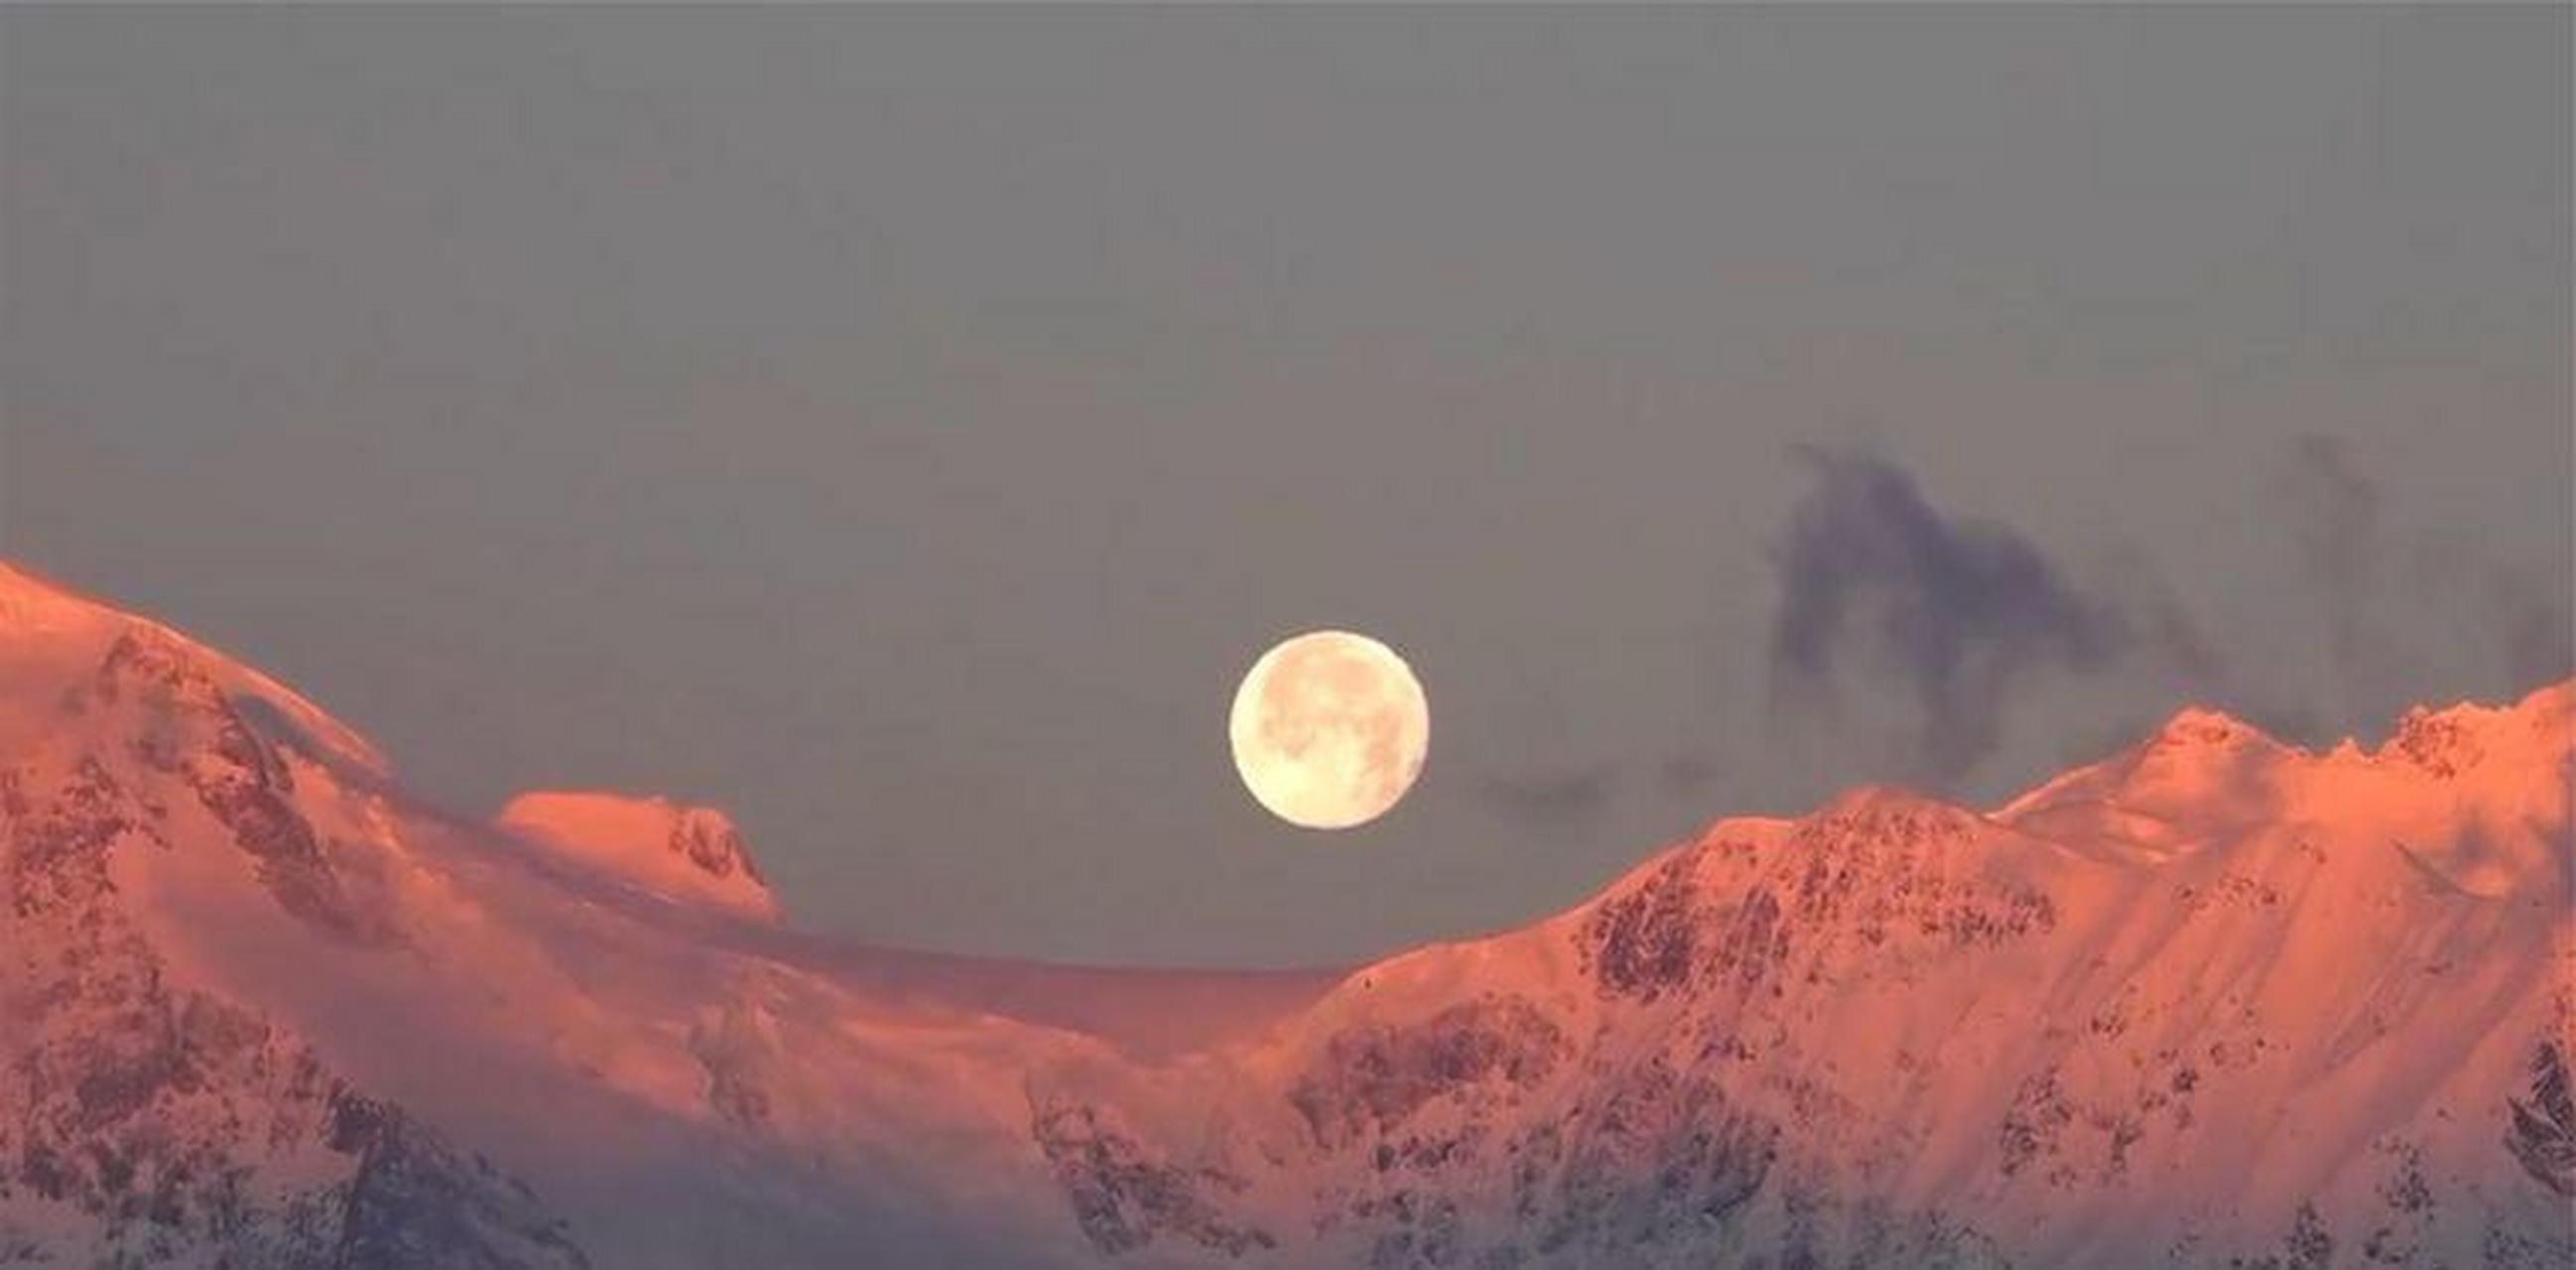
(2363, 568)
(2165, 625)
(2334, 513)
(1555, 795)
(2533, 635)
(1956, 609)
(1686, 774)
(1878, 585)
(2507, 613)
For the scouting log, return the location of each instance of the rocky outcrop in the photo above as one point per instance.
(146, 1120)
(682, 853)
(414, 1200)
(2543, 1133)
(194, 732)
(2212, 1002)
(1877, 882)
(1666, 1158)
(1371, 1079)
(1125, 1195)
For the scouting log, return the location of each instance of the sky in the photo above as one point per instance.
(901, 428)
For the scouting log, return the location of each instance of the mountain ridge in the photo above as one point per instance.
(2212, 1000)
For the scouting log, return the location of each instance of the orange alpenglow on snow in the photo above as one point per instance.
(2214, 1000)
(684, 853)
(2451, 790)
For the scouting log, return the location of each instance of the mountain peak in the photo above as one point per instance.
(1879, 804)
(2456, 738)
(2206, 727)
(674, 849)
(19, 581)
(50, 631)
(33, 607)
(2149, 795)
(2277, 1002)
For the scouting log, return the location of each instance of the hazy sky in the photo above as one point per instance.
(901, 428)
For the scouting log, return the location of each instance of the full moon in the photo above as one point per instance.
(1329, 729)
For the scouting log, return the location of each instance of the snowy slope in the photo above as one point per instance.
(2210, 1001)
(692, 854)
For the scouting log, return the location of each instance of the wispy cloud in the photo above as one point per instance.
(2360, 563)
(2333, 516)
(1552, 795)
(1874, 579)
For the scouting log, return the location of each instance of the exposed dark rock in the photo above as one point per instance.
(160, 1115)
(713, 845)
(2031, 1126)
(1124, 1195)
(239, 778)
(58, 851)
(2439, 743)
(1374, 1076)
(414, 1201)
(2543, 1131)
(737, 1051)
(1861, 890)
(1644, 944)
(1665, 1158)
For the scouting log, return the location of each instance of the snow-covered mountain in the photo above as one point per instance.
(677, 851)
(2212, 1001)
